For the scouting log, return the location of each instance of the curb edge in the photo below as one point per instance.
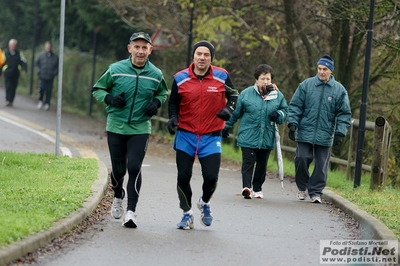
(33, 242)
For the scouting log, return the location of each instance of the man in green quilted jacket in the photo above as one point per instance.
(319, 116)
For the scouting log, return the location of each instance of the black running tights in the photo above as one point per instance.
(127, 152)
(210, 169)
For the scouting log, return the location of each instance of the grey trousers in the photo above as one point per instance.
(305, 154)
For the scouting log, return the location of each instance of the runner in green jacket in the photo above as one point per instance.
(133, 90)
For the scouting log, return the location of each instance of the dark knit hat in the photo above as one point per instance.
(206, 44)
(327, 61)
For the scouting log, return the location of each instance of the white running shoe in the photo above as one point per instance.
(301, 195)
(46, 107)
(40, 105)
(116, 208)
(246, 193)
(130, 220)
(316, 199)
(258, 195)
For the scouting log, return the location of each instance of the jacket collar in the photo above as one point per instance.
(146, 65)
(271, 95)
(193, 75)
(330, 82)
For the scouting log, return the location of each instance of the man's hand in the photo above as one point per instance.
(337, 140)
(172, 123)
(225, 114)
(292, 132)
(273, 116)
(117, 101)
(225, 133)
(152, 107)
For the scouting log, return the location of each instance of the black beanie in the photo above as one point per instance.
(206, 44)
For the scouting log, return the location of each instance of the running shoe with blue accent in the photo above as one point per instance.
(187, 222)
(206, 215)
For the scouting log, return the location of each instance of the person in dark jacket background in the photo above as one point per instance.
(202, 99)
(319, 117)
(259, 108)
(11, 69)
(46, 66)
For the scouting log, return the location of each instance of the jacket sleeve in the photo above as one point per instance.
(283, 109)
(236, 114)
(343, 115)
(23, 63)
(296, 107)
(231, 94)
(37, 64)
(2, 60)
(102, 87)
(162, 91)
(174, 101)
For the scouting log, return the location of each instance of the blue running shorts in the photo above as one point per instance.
(192, 144)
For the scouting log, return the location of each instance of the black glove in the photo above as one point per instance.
(292, 132)
(267, 89)
(225, 133)
(225, 114)
(337, 140)
(172, 123)
(151, 107)
(117, 101)
(273, 116)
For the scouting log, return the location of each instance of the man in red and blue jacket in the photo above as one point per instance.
(202, 99)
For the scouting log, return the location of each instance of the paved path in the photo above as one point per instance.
(276, 230)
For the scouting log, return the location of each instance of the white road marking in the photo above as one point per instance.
(64, 150)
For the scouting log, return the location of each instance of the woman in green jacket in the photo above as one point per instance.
(259, 108)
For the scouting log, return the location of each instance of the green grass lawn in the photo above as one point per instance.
(38, 189)
(384, 205)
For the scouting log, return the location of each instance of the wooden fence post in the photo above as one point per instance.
(386, 150)
(376, 173)
(351, 155)
(386, 140)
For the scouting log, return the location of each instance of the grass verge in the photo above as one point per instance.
(38, 189)
(383, 205)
